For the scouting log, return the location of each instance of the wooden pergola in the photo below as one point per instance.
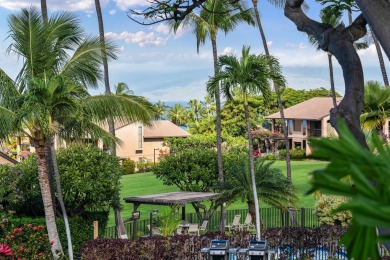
(180, 198)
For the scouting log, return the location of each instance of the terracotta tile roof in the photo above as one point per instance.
(164, 128)
(314, 109)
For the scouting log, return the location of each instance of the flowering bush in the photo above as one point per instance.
(27, 242)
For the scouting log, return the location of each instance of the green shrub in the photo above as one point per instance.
(325, 206)
(128, 166)
(144, 166)
(269, 157)
(89, 178)
(295, 154)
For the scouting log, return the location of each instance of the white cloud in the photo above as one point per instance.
(112, 12)
(167, 30)
(126, 4)
(300, 45)
(228, 51)
(141, 38)
(56, 5)
(270, 43)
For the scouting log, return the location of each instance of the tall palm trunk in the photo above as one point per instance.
(252, 169)
(332, 79)
(60, 197)
(118, 218)
(277, 91)
(218, 126)
(44, 10)
(380, 57)
(43, 178)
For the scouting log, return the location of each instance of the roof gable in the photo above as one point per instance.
(312, 109)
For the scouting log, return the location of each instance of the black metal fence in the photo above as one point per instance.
(270, 218)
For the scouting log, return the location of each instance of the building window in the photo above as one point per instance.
(304, 127)
(297, 125)
(290, 127)
(140, 137)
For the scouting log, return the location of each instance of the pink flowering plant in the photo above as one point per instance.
(25, 243)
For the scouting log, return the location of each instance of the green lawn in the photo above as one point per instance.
(146, 183)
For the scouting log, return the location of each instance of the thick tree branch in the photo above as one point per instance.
(338, 41)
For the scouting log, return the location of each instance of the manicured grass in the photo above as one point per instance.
(146, 183)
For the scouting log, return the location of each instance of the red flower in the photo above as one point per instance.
(35, 228)
(51, 242)
(5, 250)
(17, 230)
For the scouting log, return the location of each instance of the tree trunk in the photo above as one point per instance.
(111, 126)
(277, 91)
(339, 42)
(332, 79)
(61, 198)
(218, 126)
(50, 173)
(252, 170)
(44, 10)
(377, 14)
(380, 57)
(51, 224)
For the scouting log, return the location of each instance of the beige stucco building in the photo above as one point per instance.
(307, 120)
(146, 142)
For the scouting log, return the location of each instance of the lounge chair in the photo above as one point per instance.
(193, 228)
(155, 230)
(248, 222)
(203, 227)
(235, 224)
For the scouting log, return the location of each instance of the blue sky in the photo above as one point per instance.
(162, 66)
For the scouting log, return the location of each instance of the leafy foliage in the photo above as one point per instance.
(295, 154)
(325, 207)
(90, 178)
(128, 166)
(190, 170)
(368, 197)
(194, 141)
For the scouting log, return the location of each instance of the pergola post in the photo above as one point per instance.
(183, 212)
(136, 205)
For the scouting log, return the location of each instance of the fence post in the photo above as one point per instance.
(303, 217)
(95, 229)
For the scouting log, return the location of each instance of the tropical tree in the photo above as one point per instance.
(195, 108)
(57, 60)
(271, 186)
(123, 89)
(216, 15)
(44, 9)
(177, 115)
(111, 126)
(251, 74)
(161, 109)
(278, 91)
(376, 109)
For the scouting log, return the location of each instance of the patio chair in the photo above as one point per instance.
(155, 230)
(193, 229)
(203, 227)
(248, 222)
(235, 224)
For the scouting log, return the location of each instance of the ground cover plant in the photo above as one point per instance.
(147, 183)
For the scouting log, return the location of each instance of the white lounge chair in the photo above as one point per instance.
(155, 230)
(235, 224)
(203, 227)
(248, 222)
(193, 229)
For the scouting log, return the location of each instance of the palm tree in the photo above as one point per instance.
(195, 109)
(216, 15)
(122, 89)
(276, 86)
(251, 74)
(111, 126)
(376, 107)
(44, 48)
(272, 187)
(177, 115)
(44, 9)
(161, 109)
